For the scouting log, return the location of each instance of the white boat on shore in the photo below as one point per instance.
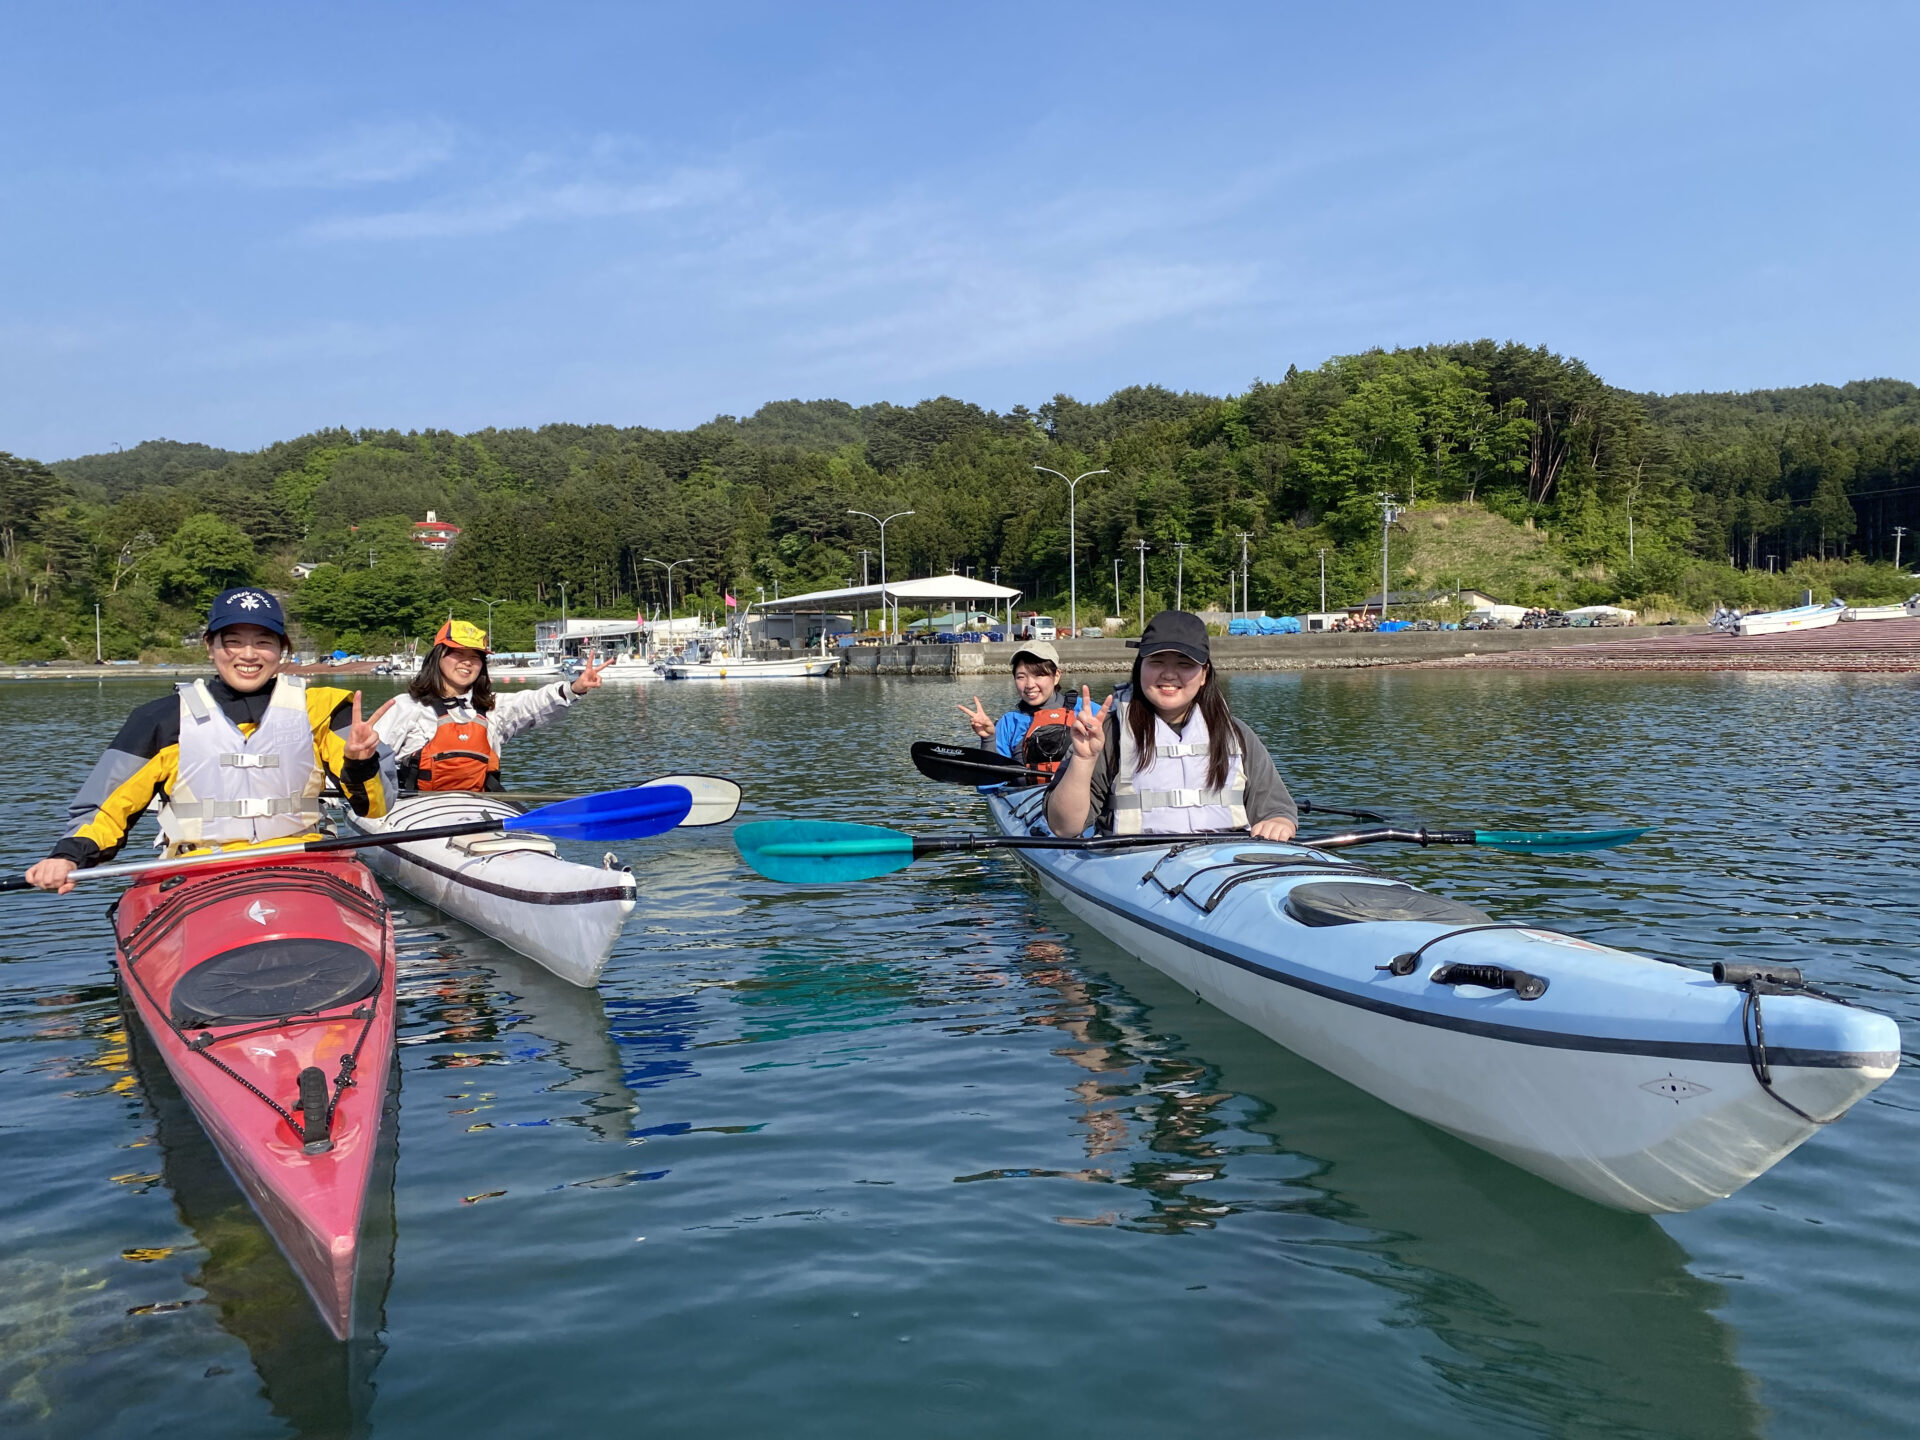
(1877, 612)
(1781, 622)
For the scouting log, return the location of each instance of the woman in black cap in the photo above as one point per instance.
(1174, 761)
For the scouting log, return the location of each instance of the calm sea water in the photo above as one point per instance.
(924, 1156)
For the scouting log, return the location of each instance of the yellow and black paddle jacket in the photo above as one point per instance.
(144, 759)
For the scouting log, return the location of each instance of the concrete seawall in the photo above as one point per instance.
(1252, 652)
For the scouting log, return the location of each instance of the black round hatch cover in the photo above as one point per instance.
(270, 978)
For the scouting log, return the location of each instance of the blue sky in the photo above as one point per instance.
(238, 223)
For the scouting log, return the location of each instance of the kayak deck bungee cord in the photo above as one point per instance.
(269, 991)
(1639, 1083)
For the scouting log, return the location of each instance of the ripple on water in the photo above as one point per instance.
(926, 1156)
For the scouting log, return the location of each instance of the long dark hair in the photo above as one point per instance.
(1222, 739)
(425, 686)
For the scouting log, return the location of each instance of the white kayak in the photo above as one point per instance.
(1638, 1083)
(515, 887)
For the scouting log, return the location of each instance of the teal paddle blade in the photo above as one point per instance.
(820, 852)
(1554, 842)
(631, 814)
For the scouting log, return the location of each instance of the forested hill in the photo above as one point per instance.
(1574, 492)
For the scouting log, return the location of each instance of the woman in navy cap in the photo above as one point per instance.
(1174, 761)
(237, 760)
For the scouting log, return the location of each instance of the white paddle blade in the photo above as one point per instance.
(715, 798)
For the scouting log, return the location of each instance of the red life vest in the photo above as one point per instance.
(460, 756)
(1048, 741)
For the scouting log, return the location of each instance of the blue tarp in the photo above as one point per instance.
(1243, 627)
(1282, 625)
(1387, 627)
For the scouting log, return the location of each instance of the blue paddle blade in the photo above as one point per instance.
(631, 814)
(1555, 842)
(817, 852)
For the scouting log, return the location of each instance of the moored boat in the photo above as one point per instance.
(514, 887)
(727, 668)
(268, 990)
(1780, 622)
(1643, 1085)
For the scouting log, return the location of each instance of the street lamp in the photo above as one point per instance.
(1179, 574)
(563, 609)
(1142, 547)
(478, 600)
(1073, 583)
(669, 568)
(893, 631)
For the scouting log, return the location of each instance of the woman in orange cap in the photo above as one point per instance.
(448, 730)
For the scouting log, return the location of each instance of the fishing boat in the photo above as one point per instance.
(1644, 1085)
(541, 669)
(632, 668)
(714, 662)
(1781, 622)
(514, 887)
(268, 991)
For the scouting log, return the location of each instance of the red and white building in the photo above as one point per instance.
(434, 533)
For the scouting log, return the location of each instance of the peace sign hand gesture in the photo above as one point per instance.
(589, 677)
(978, 718)
(361, 739)
(1089, 726)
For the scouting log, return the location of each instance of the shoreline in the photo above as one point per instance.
(1876, 646)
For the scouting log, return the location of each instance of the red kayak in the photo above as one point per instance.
(269, 990)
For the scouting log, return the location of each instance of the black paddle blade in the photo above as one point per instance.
(964, 765)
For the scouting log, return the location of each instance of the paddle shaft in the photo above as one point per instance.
(948, 844)
(306, 847)
(954, 765)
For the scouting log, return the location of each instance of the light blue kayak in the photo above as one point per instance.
(1642, 1084)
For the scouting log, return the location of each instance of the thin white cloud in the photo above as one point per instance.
(532, 199)
(365, 155)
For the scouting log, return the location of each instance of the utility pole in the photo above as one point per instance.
(1323, 582)
(1179, 574)
(1246, 592)
(863, 567)
(563, 607)
(1073, 584)
(1142, 547)
(1388, 514)
(1116, 586)
(894, 628)
(96, 634)
(1899, 533)
(670, 568)
(489, 604)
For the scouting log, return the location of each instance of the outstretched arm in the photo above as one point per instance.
(1070, 801)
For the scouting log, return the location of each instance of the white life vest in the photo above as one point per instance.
(233, 787)
(1170, 796)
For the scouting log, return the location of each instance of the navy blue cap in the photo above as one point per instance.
(247, 606)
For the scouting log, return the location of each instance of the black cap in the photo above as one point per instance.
(246, 605)
(1175, 630)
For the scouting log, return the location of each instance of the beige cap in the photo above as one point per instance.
(1039, 650)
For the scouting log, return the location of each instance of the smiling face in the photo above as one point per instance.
(245, 656)
(1171, 683)
(1034, 680)
(459, 668)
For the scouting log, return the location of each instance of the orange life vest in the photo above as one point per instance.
(1048, 741)
(460, 756)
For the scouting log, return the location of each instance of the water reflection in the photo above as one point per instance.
(320, 1386)
(1549, 1311)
